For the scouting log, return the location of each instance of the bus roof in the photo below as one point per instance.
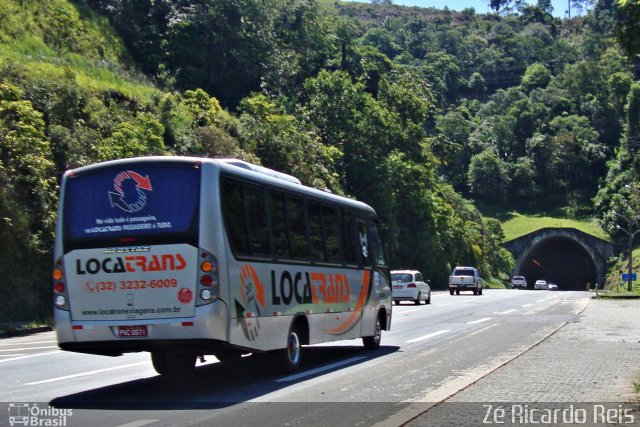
(235, 167)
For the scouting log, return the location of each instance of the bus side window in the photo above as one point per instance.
(376, 242)
(349, 238)
(244, 214)
(363, 242)
(278, 212)
(233, 215)
(331, 234)
(297, 227)
(256, 217)
(314, 213)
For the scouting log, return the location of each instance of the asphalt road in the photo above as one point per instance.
(432, 352)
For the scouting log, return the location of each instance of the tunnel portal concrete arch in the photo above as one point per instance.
(566, 256)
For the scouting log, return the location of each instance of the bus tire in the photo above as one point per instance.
(289, 359)
(373, 342)
(173, 364)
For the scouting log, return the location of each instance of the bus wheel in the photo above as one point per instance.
(373, 342)
(173, 363)
(289, 359)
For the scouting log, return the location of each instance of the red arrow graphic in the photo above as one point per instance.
(143, 182)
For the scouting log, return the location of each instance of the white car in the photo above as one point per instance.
(518, 282)
(552, 287)
(409, 285)
(540, 284)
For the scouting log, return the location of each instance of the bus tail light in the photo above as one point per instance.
(60, 297)
(208, 285)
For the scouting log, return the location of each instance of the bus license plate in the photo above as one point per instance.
(132, 331)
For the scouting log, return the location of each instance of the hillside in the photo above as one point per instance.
(58, 40)
(420, 113)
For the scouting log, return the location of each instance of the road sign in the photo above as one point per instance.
(625, 277)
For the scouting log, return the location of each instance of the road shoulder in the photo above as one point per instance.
(593, 361)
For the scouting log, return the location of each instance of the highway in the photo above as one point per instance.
(432, 352)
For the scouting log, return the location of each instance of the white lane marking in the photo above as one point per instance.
(506, 312)
(426, 337)
(3, 344)
(320, 369)
(30, 348)
(11, 355)
(483, 329)
(138, 423)
(409, 311)
(444, 305)
(484, 319)
(540, 300)
(31, 355)
(82, 374)
(527, 305)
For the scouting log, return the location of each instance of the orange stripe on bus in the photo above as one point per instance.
(355, 314)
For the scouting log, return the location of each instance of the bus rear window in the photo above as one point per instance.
(132, 201)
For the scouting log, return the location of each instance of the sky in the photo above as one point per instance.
(481, 6)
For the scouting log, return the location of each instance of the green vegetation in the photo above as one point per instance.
(421, 113)
(520, 224)
(614, 283)
(516, 224)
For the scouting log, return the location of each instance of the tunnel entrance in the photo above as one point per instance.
(559, 260)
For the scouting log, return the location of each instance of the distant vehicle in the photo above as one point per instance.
(519, 282)
(465, 279)
(409, 285)
(540, 284)
(552, 287)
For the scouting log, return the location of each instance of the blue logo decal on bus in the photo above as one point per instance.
(122, 200)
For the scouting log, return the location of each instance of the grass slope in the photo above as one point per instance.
(520, 224)
(517, 220)
(56, 39)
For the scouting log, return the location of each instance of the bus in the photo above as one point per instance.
(185, 257)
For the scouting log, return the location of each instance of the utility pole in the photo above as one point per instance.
(630, 234)
(633, 222)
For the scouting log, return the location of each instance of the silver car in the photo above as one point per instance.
(409, 285)
(519, 282)
(540, 284)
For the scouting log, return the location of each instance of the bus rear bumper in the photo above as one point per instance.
(201, 334)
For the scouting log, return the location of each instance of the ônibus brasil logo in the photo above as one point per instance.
(130, 202)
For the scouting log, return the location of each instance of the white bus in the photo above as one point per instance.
(184, 257)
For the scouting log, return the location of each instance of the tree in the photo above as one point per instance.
(351, 120)
(632, 134)
(497, 5)
(284, 144)
(536, 76)
(142, 136)
(627, 25)
(488, 177)
(27, 213)
(522, 185)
